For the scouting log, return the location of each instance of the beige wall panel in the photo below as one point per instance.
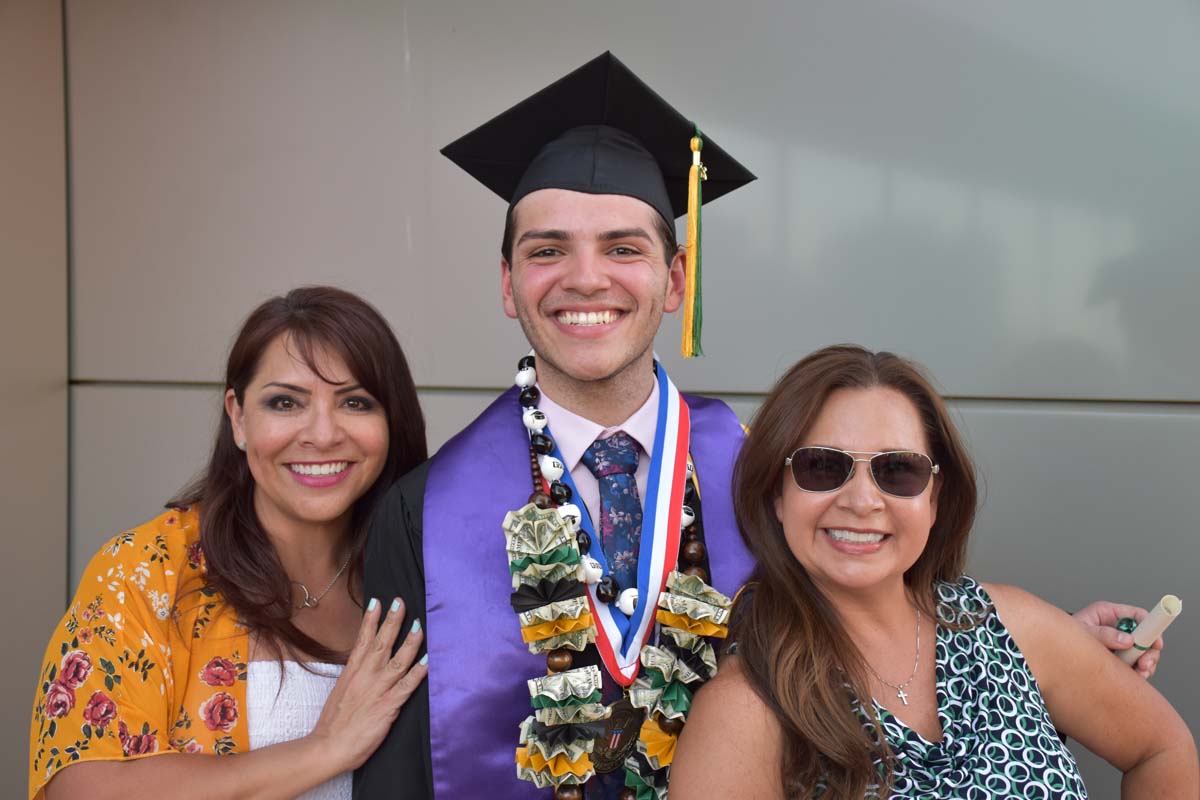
(33, 355)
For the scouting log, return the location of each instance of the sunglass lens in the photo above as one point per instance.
(816, 469)
(901, 474)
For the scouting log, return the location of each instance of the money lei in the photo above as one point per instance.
(557, 740)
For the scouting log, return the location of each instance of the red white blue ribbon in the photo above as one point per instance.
(619, 638)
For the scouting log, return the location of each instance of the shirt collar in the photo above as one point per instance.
(573, 434)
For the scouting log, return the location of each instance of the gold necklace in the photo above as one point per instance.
(899, 687)
(312, 602)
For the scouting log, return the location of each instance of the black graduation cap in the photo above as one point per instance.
(599, 130)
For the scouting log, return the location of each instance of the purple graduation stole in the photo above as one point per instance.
(478, 662)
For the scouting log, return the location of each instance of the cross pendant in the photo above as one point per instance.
(902, 695)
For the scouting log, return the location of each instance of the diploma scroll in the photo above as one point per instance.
(1149, 629)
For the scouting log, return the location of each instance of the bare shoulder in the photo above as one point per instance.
(1055, 646)
(732, 743)
(1024, 613)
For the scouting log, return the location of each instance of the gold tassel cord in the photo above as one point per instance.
(692, 313)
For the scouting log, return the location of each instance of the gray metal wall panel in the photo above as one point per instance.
(33, 352)
(133, 448)
(1086, 503)
(1010, 202)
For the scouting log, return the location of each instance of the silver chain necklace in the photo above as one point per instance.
(899, 687)
(312, 602)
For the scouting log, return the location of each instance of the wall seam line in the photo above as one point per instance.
(69, 230)
(140, 383)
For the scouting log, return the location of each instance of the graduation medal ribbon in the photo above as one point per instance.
(620, 638)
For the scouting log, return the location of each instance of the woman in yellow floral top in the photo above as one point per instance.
(144, 680)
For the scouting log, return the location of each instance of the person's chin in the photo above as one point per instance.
(583, 361)
(322, 513)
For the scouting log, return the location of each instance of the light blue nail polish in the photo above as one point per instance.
(374, 604)
(416, 626)
(425, 660)
(395, 606)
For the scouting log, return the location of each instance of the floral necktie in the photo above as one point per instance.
(614, 461)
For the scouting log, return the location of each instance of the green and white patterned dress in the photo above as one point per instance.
(998, 740)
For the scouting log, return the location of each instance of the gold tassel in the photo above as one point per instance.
(692, 314)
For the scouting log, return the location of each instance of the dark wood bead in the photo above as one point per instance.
(541, 444)
(608, 589)
(540, 499)
(559, 660)
(584, 541)
(698, 572)
(530, 397)
(669, 725)
(628, 794)
(560, 493)
(569, 791)
(693, 552)
(691, 535)
(527, 362)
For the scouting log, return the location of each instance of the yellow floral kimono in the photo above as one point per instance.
(147, 659)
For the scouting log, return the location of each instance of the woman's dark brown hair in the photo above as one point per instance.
(794, 652)
(241, 561)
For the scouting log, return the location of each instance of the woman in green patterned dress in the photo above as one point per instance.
(867, 664)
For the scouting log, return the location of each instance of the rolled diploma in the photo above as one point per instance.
(1149, 629)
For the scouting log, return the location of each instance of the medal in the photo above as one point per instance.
(620, 736)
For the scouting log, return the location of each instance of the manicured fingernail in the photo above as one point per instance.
(395, 605)
(374, 604)
(1124, 639)
(416, 626)
(425, 660)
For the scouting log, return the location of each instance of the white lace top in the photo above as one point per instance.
(275, 716)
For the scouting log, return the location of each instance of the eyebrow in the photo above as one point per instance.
(625, 233)
(291, 387)
(555, 234)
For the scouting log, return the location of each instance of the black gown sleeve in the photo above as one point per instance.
(394, 566)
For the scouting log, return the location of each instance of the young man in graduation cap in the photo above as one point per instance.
(563, 653)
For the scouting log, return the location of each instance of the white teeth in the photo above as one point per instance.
(854, 537)
(588, 317)
(330, 468)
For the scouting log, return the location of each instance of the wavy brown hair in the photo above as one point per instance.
(794, 652)
(241, 563)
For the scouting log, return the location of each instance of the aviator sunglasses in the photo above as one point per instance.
(899, 473)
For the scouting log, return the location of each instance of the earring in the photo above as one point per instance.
(241, 444)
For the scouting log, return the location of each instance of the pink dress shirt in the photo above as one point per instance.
(573, 434)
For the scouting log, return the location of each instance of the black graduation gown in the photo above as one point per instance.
(394, 566)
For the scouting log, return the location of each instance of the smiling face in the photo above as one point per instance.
(589, 282)
(857, 537)
(313, 447)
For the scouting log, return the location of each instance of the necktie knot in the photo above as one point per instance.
(616, 455)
